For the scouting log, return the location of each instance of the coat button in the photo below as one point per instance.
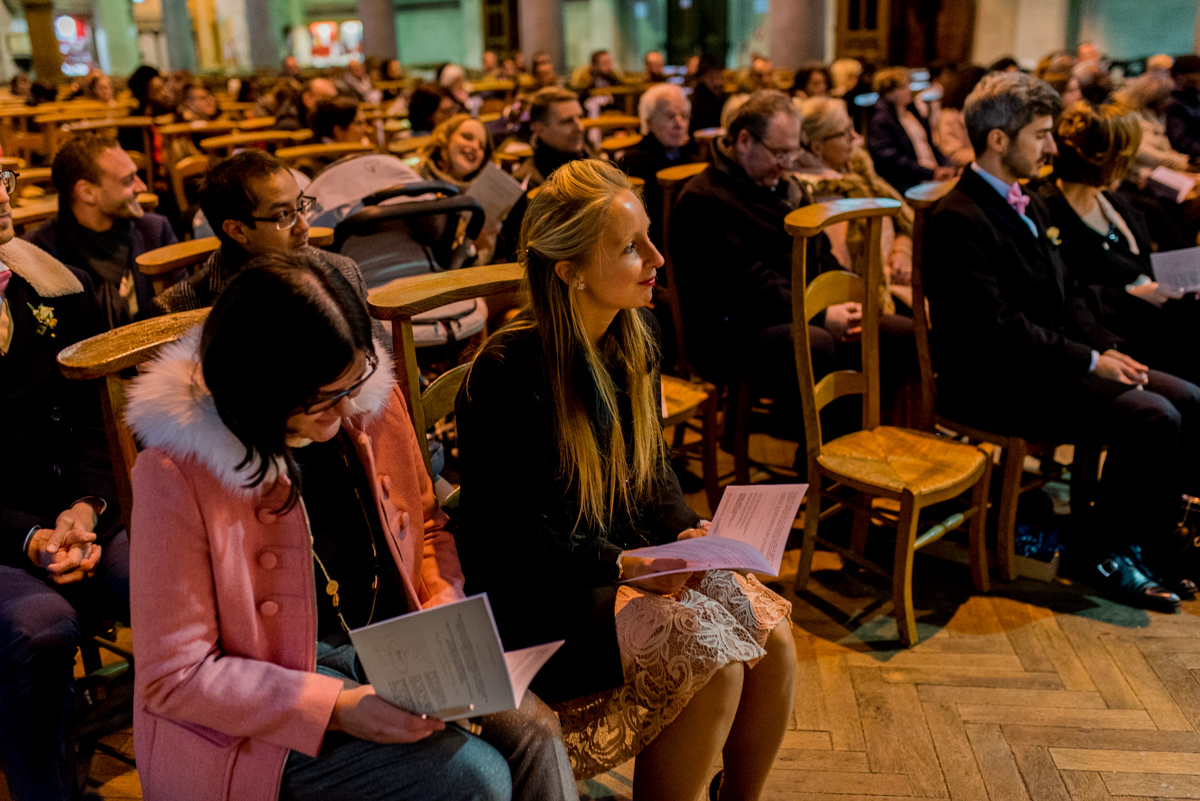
(268, 608)
(385, 483)
(56, 414)
(266, 516)
(267, 560)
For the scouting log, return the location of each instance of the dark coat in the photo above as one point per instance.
(644, 160)
(733, 261)
(893, 152)
(1161, 337)
(517, 540)
(53, 440)
(706, 109)
(1002, 304)
(147, 232)
(1183, 121)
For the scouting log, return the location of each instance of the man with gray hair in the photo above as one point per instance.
(665, 113)
(733, 259)
(1018, 351)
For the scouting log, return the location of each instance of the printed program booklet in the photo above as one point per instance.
(447, 662)
(749, 532)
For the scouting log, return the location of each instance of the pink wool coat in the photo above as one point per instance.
(222, 589)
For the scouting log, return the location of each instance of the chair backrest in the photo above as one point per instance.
(410, 146)
(220, 146)
(922, 198)
(671, 180)
(828, 289)
(310, 159)
(613, 145)
(402, 300)
(104, 358)
(186, 167)
(609, 123)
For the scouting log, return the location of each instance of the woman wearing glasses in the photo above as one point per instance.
(281, 501)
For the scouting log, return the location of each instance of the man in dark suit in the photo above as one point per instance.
(63, 550)
(1018, 350)
(101, 228)
(899, 139)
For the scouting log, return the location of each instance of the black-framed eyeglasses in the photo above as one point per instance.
(783, 156)
(325, 404)
(286, 219)
(9, 179)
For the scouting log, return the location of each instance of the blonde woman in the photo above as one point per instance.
(563, 470)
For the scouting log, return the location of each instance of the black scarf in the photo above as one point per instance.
(106, 255)
(547, 159)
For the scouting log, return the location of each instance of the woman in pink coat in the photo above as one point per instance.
(280, 502)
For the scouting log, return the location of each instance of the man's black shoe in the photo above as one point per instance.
(1166, 573)
(1120, 579)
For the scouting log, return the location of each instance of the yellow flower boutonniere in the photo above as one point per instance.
(44, 315)
(1052, 235)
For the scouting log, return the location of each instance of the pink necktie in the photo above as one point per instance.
(4, 278)
(1017, 199)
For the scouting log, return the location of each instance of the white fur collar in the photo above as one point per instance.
(46, 274)
(170, 408)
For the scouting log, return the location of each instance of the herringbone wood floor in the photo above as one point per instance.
(1038, 692)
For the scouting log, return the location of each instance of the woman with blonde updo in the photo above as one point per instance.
(1106, 243)
(563, 469)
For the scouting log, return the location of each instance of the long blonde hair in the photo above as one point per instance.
(564, 222)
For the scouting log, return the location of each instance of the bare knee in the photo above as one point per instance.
(781, 647)
(725, 687)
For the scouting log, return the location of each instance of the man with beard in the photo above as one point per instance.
(101, 228)
(1017, 350)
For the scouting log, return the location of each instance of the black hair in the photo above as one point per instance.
(959, 84)
(312, 324)
(707, 63)
(139, 82)
(804, 73)
(1188, 64)
(224, 193)
(336, 113)
(1004, 64)
(423, 105)
(78, 160)
(1007, 101)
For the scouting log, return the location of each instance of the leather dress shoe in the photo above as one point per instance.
(1169, 577)
(1121, 579)
(714, 788)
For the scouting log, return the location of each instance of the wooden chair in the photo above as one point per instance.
(705, 139)
(106, 358)
(613, 145)
(611, 123)
(672, 180)
(401, 300)
(409, 146)
(168, 259)
(1013, 483)
(222, 146)
(913, 469)
(180, 172)
(628, 94)
(11, 163)
(311, 159)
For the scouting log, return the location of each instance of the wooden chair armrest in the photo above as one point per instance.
(408, 297)
(808, 221)
(170, 258)
(124, 347)
(320, 237)
(924, 195)
(679, 173)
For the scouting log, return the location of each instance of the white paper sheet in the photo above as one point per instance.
(496, 191)
(749, 532)
(446, 662)
(1177, 269)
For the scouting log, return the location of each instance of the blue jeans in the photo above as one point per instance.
(450, 765)
(39, 632)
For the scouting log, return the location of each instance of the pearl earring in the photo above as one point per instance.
(580, 286)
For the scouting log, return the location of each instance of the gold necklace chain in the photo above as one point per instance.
(331, 586)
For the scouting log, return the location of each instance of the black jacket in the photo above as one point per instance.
(893, 152)
(706, 109)
(1183, 121)
(516, 536)
(53, 441)
(733, 261)
(147, 232)
(1003, 306)
(644, 160)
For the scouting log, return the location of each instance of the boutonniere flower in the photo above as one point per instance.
(1052, 235)
(44, 315)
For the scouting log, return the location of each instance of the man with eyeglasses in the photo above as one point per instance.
(101, 228)
(64, 554)
(255, 207)
(733, 259)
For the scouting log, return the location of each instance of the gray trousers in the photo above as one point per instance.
(519, 756)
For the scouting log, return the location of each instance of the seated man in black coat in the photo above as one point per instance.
(63, 552)
(1018, 351)
(101, 228)
(899, 139)
(733, 262)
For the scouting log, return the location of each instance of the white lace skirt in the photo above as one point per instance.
(670, 648)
